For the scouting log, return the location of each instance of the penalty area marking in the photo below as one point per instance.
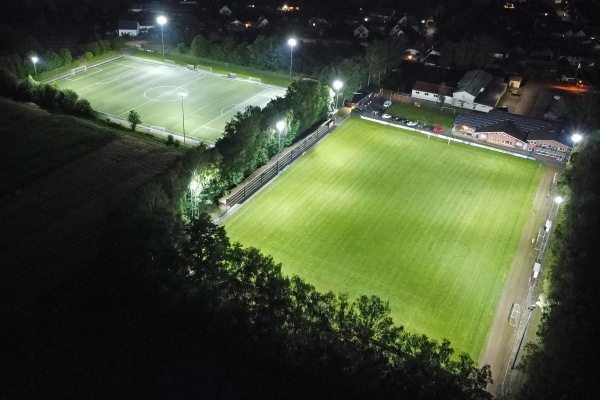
(176, 97)
(225, 109)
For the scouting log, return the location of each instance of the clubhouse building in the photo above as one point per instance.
(515, 132)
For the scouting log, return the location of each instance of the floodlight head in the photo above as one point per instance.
(558, 199)
(280, 125)
(576, 138)
(34, 59)
(194, 185)
(182, 94)
(161, 20)
(292, 42)
(337, 84)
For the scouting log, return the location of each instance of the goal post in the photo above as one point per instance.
(253, 79)
(77, 70)
(157, 129)
(203, 68)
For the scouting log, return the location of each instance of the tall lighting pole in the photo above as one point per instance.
(280, 126)
(34, 59)
(337, 85)
(162, 21)
(557, 200)
(292, 42)
(182, 95)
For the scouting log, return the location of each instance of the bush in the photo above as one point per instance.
(169, 139)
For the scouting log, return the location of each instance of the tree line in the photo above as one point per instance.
(562, 362)
(21, 65)
(318, 61)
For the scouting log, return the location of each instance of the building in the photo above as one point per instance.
(431, 92)
(225, 11)
(129, 27)
(361, 32)
(477, 90)
(516, 132)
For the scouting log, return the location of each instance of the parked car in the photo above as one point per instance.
(411, 123)
(438, 129)
(386, 116)
(403, 120)
(387, 103)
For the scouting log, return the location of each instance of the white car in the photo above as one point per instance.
(386, 116)
(387, 103)
(411, 123)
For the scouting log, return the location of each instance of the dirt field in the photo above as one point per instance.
(51, 226)
(499, 350)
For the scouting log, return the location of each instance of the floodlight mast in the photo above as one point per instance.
(182, 95)
(162, 21)
(280, 126)
(292, 42)
(337, 85)
(34, 60)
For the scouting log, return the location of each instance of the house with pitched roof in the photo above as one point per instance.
(476, 90)
(129, 27)
(533, 136)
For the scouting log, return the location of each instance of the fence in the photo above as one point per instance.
(198, 60)
(88, 66)
(243, 192)
(450, 139)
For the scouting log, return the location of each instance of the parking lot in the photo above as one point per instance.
(377, 108)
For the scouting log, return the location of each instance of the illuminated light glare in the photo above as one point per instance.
(576, 138)
(558, 199)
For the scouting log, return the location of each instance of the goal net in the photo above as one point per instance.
(252, 79)
(202, 68)
(77, 70)
(157, 129)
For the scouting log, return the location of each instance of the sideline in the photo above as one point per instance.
(499, 350)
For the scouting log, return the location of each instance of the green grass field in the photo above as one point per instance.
(154, 91)
(431, 227)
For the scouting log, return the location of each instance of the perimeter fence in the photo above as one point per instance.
(244, 191)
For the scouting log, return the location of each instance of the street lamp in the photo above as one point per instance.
(280, 126)
(162, 21)
(292, 42)
(182, 95)
(337, 85)
(557, 200)
(34, 59)
(194, 186)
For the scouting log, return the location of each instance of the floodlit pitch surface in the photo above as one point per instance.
(155, 91)
(431, 227)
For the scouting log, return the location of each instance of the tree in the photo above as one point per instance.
(134, 119)
(200, 46)
(309, 101)
(442, 94)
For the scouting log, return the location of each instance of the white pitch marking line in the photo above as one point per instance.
(176, 88)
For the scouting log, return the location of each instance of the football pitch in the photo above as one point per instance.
(166, 95)
(430, 227)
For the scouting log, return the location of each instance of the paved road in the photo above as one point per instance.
(534, 101)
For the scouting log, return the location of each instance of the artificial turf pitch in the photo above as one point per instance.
(155, 91)
(432, 228)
